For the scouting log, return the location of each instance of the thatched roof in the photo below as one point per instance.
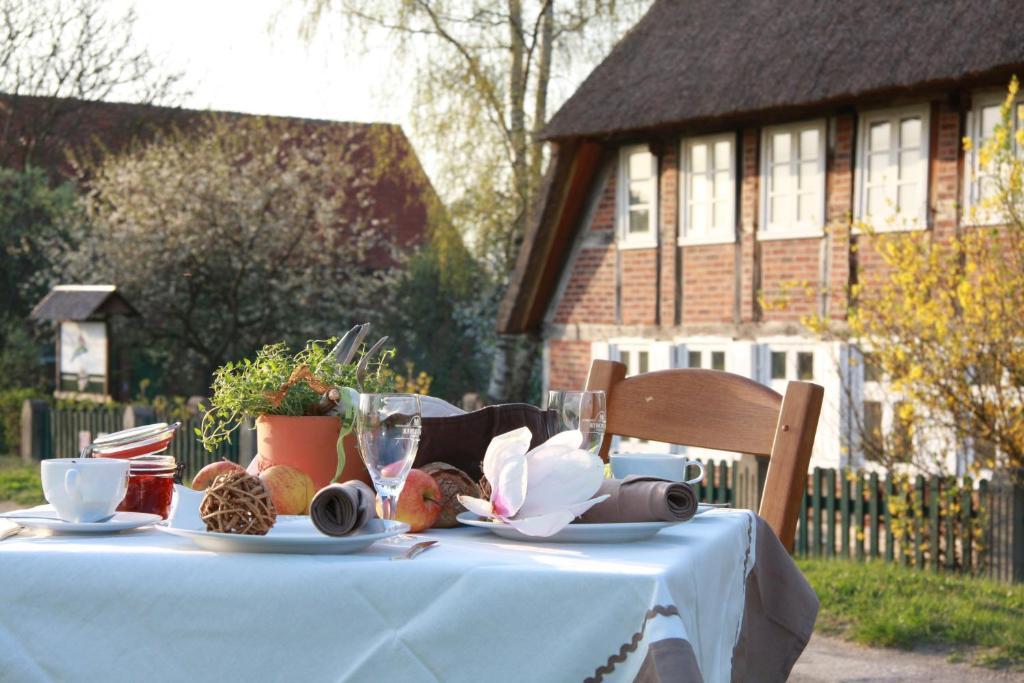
(82, 302)
(695, 60)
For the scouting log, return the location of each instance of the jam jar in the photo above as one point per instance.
(150, 485)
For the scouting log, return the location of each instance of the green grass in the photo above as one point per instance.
(886, 605)
(20, 482)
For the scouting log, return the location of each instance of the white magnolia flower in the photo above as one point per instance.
(539, 491)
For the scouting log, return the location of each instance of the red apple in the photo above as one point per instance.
(205, 476)
(291, 489)
(419, 504)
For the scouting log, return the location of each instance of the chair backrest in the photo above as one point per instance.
(720, 410)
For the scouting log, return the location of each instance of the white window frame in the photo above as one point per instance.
(626, 240)
(797, 229)
(725, 234)
(892, 223)
(973, 213)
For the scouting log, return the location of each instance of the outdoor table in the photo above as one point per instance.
(713, 599)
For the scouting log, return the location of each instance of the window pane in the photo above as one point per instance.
(877, 204)
(990, 117)
(871, 371)
(871, 429)
(638, 220)
(699, 216)
(989, 187)
(909, 200)
(782, 210)
(639, 165)
(640, 192)
(718, 360)
(808, 175)
(902, 439)
(722, 214)
(693, 359)
(807, 207)
(778, 365)
(910, 169)
(781, 143)
(781, 179)
(722, 185)
(699, 188)
(624, 359)
(723, 155)
(805, 365)
(642, 357)
(878, 138)
(809, 144)
(878, 168)
(699, 158)
(910, 133)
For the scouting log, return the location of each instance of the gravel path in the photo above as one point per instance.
(833, 660)
(7, 506)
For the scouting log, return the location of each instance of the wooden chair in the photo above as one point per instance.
(720, 410)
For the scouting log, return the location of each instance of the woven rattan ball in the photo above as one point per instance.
(238, 503)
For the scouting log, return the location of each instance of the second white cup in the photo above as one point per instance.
(661, 465)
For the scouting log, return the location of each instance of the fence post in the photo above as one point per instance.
(1006, 524)
(749, 471)
(35, 431)
(136, 416)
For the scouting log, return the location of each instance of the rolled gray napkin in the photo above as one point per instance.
(642, 499)
(340, 509)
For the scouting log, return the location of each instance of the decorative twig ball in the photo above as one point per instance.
(238, 503)
(453, 482)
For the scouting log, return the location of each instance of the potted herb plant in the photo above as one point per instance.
(299, 401)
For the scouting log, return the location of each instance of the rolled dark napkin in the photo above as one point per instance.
(462, 440)
(340, 509)
(642, 499)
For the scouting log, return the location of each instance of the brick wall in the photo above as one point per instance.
(668, 193)
(639, 268)
(708, 283)
(790, 274)
(839, 191)
(750, 187)
(568, 364)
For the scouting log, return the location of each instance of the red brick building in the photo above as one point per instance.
(58, 135)
(712, 166)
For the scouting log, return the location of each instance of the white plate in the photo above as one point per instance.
(47, 519)
(625, 532)
(291, 534)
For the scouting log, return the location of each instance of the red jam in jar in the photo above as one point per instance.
(150, 485)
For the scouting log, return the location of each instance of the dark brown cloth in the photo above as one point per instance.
(462, 440)
(779, 612)
(778, 616)
(340, 509)
(642, 499)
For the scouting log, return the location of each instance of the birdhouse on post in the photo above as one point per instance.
(83, 353)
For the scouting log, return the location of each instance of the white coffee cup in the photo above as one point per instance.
(661, 465)
(85, 489)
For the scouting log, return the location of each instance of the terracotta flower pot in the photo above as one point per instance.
(309, 444)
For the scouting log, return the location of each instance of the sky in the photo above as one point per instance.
(247, 56)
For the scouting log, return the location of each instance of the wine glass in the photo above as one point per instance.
(582, 410)
(388, 431)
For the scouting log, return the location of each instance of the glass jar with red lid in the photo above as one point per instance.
(150, 485)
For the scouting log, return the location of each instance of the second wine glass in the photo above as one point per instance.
(582, 410)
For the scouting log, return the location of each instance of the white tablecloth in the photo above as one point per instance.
(148, 606)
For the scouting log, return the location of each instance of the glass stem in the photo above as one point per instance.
(389, 505)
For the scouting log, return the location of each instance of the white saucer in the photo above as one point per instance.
(48, 520)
